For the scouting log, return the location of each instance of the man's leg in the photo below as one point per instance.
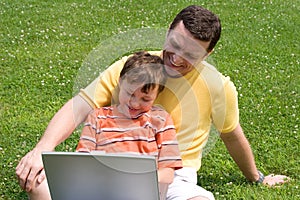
(184, 187)
(199, 198)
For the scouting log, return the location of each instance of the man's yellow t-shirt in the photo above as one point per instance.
(195, 101)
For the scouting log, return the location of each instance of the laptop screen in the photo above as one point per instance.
(97, 175)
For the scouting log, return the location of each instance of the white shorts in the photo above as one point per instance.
(185, 186)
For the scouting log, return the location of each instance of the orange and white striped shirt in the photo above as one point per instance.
(150, 133)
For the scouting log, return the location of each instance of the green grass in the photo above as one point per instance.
(44, 43)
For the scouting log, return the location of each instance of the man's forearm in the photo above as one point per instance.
(239, 149)
(63, 123)
(30, 168)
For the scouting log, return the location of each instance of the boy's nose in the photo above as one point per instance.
(134, 103)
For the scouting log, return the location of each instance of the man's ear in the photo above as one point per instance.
(207, 54)
(211, 51)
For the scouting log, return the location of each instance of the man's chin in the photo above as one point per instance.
(173, 73)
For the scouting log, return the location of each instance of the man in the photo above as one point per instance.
(195, 95)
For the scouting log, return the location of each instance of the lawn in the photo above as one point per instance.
(45, 44)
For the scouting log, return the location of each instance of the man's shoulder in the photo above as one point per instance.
(213, 80)
(213, 76)
(124, 58)
(209, 69)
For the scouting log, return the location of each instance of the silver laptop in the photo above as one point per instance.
(101, 176)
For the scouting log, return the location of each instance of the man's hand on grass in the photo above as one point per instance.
(275, 180)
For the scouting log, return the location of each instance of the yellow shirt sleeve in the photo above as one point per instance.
(223, 97)
(225, 112)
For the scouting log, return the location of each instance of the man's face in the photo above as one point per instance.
(182, 51)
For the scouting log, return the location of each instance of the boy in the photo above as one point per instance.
(134, 125)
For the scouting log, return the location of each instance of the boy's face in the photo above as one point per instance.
(133, 101)
(182, 51)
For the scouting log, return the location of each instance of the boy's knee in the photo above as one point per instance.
(40, 191)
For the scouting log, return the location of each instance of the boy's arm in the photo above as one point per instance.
(165, 175)
(169, 149)
(60, 127)
(87, 141)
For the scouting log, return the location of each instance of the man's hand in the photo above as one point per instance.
(29, 168)
(273, 180)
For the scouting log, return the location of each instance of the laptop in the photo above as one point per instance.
(102, 176)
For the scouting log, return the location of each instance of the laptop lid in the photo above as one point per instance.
(101, 176)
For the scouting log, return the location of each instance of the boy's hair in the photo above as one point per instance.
(145, 68)
(201, 23)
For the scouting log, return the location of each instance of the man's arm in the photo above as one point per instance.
(60, 128)
(239, 149)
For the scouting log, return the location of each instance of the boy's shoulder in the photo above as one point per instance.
(103, 110)
(158, 110)
(159, 117)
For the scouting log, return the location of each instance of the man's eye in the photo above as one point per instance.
(175, 45)
(193, 57)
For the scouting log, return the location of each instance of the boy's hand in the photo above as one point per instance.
(273, 180)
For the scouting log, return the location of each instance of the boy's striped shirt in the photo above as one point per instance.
(150, 133)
